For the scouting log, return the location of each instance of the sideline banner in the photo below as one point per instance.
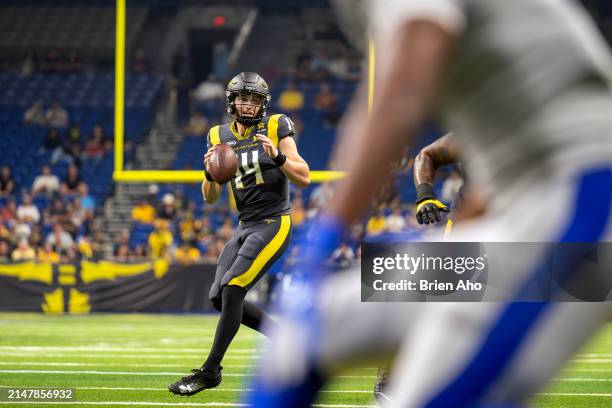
(105, 287)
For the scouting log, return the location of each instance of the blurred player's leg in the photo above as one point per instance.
(347, 332)
(503, 352)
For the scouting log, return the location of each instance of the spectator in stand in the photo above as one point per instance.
(140, 252)
(395, 221)
(302, 65)
(197, 125)
(123, 239)
(72, 181)
(53, 143)
(27, 212)
(57, 116)
(5, 251)
(187, 254)
(8, 213)
(45, 183)
(23, 252)
(97, 245)
(94, 148)
(29, 63)
(74, 133)
(341, 68)
(376, 224)
(47, 254)
(140, 64)
(122, 253)
(167, 209)
(291, 99)
(50, 65)
(59, 239)
(343, 256)
(326, 101)
(143, 212)
(298, 213)
(226, 230)
(160, 240)
(319, 66)
(84, 247)
(35, 114)
(451, 186)
(88, 204)
(58, 213)
(73, 64)
(209, 91)
(6, 181)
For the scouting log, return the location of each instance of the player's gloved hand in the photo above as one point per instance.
(428, 207)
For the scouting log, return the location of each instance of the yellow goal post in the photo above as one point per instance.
(120, 175)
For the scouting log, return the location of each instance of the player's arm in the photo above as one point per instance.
(439, 153)
(408, 71)
(286, 156)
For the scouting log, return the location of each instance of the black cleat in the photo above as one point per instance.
(200, 380)
(381, 385)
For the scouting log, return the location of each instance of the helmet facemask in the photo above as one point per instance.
(234, 110)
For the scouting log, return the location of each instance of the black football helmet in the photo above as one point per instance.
(247, 83)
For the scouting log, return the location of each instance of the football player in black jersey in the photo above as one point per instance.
(267, 160)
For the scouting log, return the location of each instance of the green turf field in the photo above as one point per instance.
(119, 360)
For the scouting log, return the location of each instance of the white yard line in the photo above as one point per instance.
(68, 364)
(209, 390)
(103, 347)
(94, 372)
(574, 394)
(171, 404)
(134, 356)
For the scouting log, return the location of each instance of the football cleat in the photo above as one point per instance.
(381, 385)
(199, 380)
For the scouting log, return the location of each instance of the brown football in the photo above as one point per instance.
(223, 164)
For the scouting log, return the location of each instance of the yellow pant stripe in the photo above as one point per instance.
(273, 128)
(265, 255)
(214, 135)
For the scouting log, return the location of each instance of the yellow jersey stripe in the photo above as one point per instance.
(273, 128)
(215, 139)
(265, 255)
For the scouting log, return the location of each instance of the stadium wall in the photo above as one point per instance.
(87, 287)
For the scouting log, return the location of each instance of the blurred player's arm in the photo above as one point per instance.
(408, 72)
(439, 153)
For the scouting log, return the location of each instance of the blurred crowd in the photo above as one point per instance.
(51, 220)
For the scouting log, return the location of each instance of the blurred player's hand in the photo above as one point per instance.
(268, 146)
(428, 206)
(428, 211)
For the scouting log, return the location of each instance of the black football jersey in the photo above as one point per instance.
(260, 188)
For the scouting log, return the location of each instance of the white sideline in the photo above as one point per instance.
(140, 373)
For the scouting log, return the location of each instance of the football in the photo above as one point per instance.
(223, 164)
